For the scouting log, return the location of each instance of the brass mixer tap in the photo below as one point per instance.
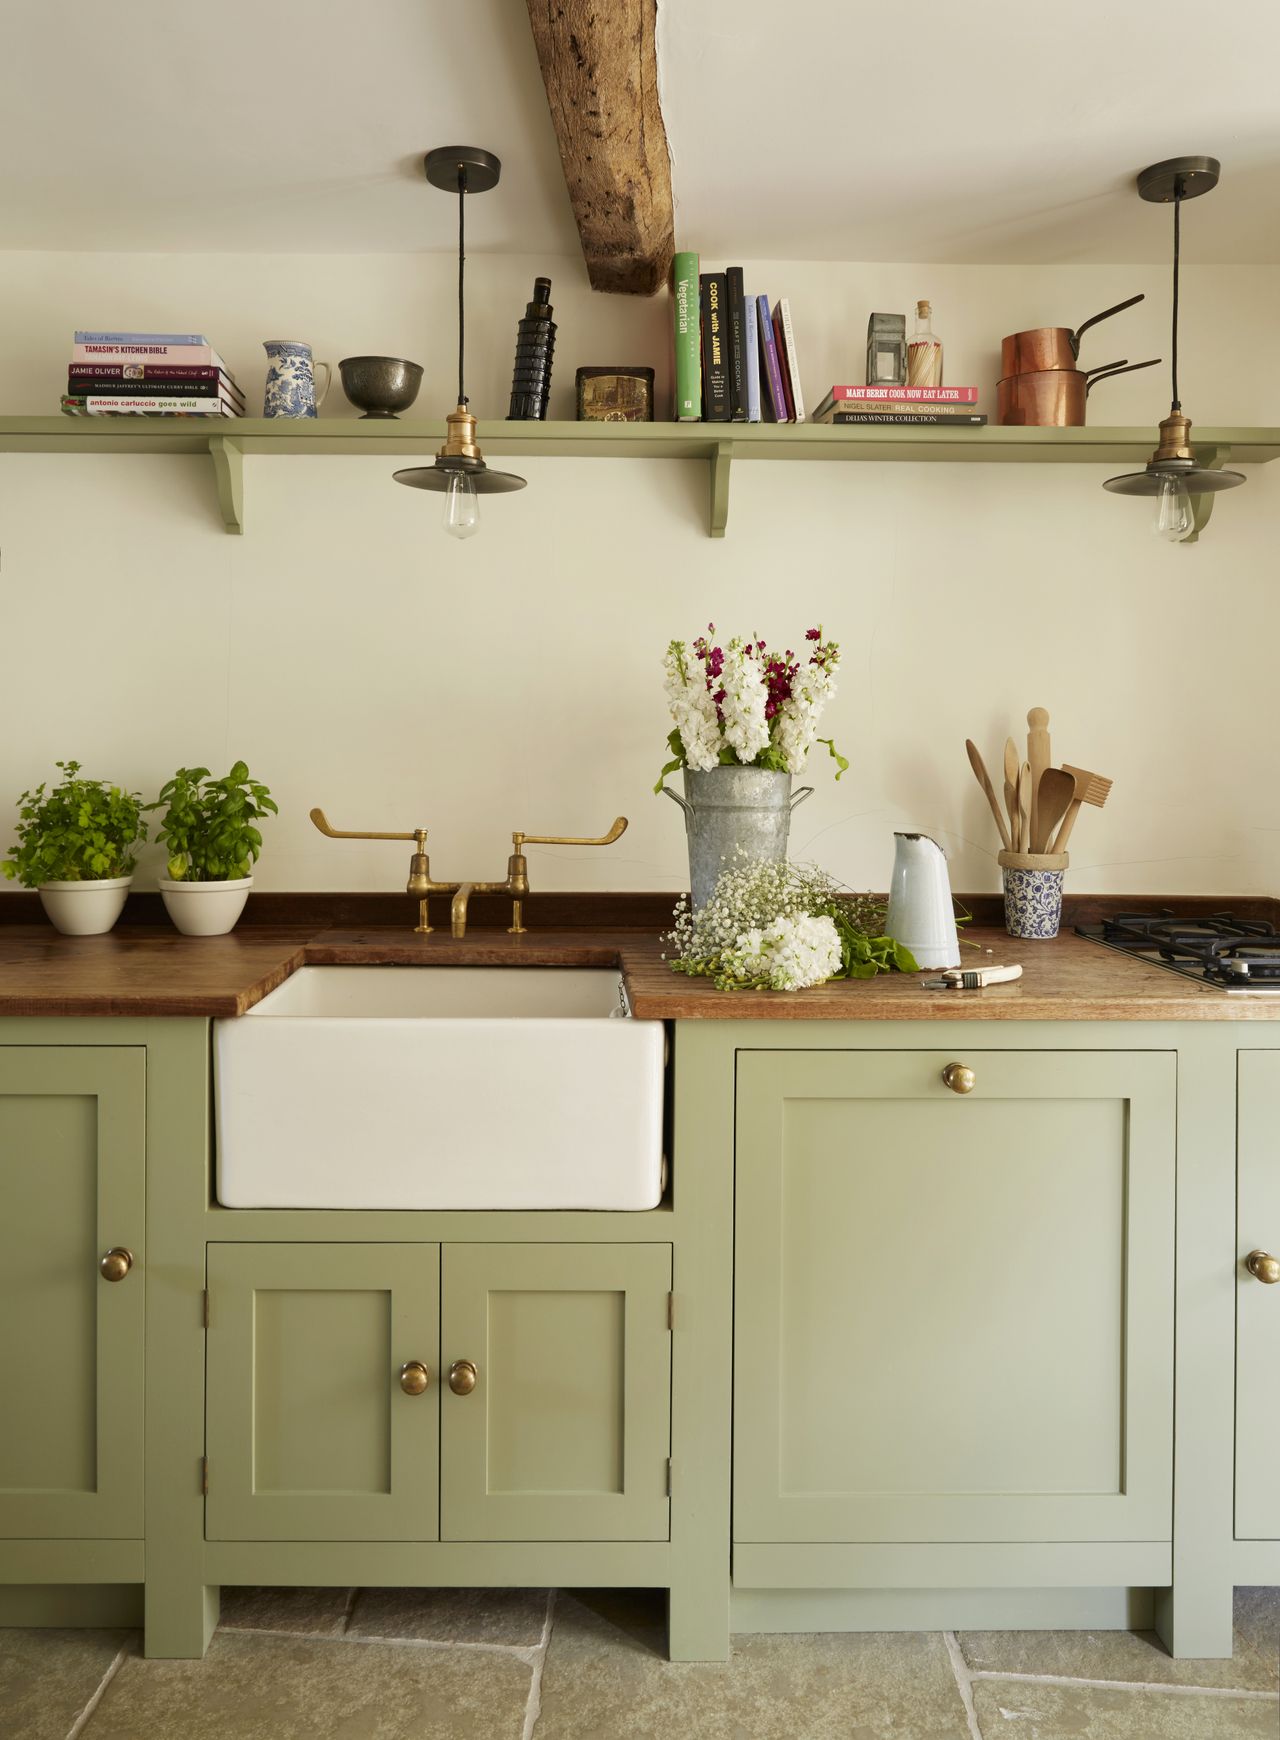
(421, 886)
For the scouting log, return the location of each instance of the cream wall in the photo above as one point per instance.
(360, 660)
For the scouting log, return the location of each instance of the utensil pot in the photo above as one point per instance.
(1033, 893)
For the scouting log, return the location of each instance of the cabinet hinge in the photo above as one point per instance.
(669, 1467)
(204, 1308)
(204, 1477)
(671, 1310)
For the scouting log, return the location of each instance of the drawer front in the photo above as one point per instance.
(1257, 1302)
(310, 1435)
(566, 1433)
(72, 1172)
(954, 1310)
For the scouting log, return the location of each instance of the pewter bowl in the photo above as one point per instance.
(380, 386)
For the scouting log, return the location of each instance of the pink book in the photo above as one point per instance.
(780, 345)
(913, 395)
(114, 352)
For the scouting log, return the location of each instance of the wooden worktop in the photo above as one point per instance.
(150, 970)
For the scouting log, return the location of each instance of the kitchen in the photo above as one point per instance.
(365, 666)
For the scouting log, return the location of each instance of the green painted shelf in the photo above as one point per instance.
(720, 444)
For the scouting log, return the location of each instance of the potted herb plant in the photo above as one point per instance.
(208, 829)
(75, 847)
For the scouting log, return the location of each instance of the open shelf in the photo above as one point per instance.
(721, 444)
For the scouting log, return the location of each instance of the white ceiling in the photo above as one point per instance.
(810, 129)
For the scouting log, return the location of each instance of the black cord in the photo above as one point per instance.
(462, 205)
(1177, 252)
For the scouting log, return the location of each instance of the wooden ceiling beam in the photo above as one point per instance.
(599, 65)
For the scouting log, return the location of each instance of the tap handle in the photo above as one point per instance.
(520, 841)
(322, 822)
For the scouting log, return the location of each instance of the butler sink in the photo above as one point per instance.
(440, 1087)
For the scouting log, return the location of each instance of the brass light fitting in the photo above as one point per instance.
(1173, 474)
(460, 471)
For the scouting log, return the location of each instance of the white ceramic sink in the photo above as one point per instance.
(440, 1087)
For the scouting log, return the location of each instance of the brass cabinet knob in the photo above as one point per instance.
(462, 1377)
(959, 1078)
(414, 1377)
(116, 1264)
(1263, 1266)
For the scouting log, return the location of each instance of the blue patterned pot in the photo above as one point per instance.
(1033, 893)
(291, 381)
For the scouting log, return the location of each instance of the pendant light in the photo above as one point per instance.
(460, 472)
(1172, 475)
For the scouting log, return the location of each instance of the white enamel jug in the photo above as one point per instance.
(921, 915)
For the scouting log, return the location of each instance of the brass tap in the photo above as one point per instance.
(517, 882)
(419, 885)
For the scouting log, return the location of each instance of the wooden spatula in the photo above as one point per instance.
(984, 780)
(1024, 808)
(1038, 758)
(1056, 791)
(1090, 788)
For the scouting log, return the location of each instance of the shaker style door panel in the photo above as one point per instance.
(310, 1434)
(954, 1310)
(1258, 1302)
(566, 1433)
(72, 1181)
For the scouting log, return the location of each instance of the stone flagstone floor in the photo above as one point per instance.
(514, 1664)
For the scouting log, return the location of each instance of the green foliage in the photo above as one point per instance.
(82, 831)
(208, 825)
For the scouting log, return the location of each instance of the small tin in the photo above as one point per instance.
(887, 350)
(615, 395)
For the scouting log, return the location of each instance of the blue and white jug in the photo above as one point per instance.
(291, 380)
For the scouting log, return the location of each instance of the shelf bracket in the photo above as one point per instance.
(721, 461)
(228, 474)
(1213, 458)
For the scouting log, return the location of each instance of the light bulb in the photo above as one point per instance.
(462, 506)
(1174, 520)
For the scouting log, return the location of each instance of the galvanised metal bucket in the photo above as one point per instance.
(732, 811)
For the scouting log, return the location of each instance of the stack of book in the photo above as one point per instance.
(735, 357)
(951, 407)
(149, 374)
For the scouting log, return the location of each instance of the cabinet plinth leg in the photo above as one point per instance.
(698, 1622)
(179, 1621)
(1197, 1622)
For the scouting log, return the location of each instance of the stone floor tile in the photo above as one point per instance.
(251, 1687)
(1258, 1623)
(322, 1612)
(1110, 1655)
(606, 1677)
(1025, 1710)
(512, 1616)
(47, 1678)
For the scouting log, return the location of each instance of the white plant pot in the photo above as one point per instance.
(205, 908)
(84, 908)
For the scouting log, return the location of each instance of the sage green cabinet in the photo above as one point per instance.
(954, 1311)
(72, 1172)
(557, 1429)
(309, 1433)
(567, 1432)
(1257, 1510)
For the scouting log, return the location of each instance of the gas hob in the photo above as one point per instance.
(1238, 955)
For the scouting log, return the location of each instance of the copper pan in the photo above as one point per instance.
(1050, 347)
(1054, 398)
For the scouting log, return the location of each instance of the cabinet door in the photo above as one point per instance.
(310, 1435)
(954, 1311)
(1258, 1304)
(566, 1433)
(72, 1122)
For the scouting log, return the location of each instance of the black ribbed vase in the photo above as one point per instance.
(535, 345)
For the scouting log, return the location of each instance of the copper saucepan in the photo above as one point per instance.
(1050, 347)
(1054, 398)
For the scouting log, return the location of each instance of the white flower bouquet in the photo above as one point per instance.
(742, 704)
(783, 927)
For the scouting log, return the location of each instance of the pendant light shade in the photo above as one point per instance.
(460, 472)
(1172, 474)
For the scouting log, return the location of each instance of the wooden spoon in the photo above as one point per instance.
(1024, 808)
(1038, 756)
(1054, 795)
(984, 780)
